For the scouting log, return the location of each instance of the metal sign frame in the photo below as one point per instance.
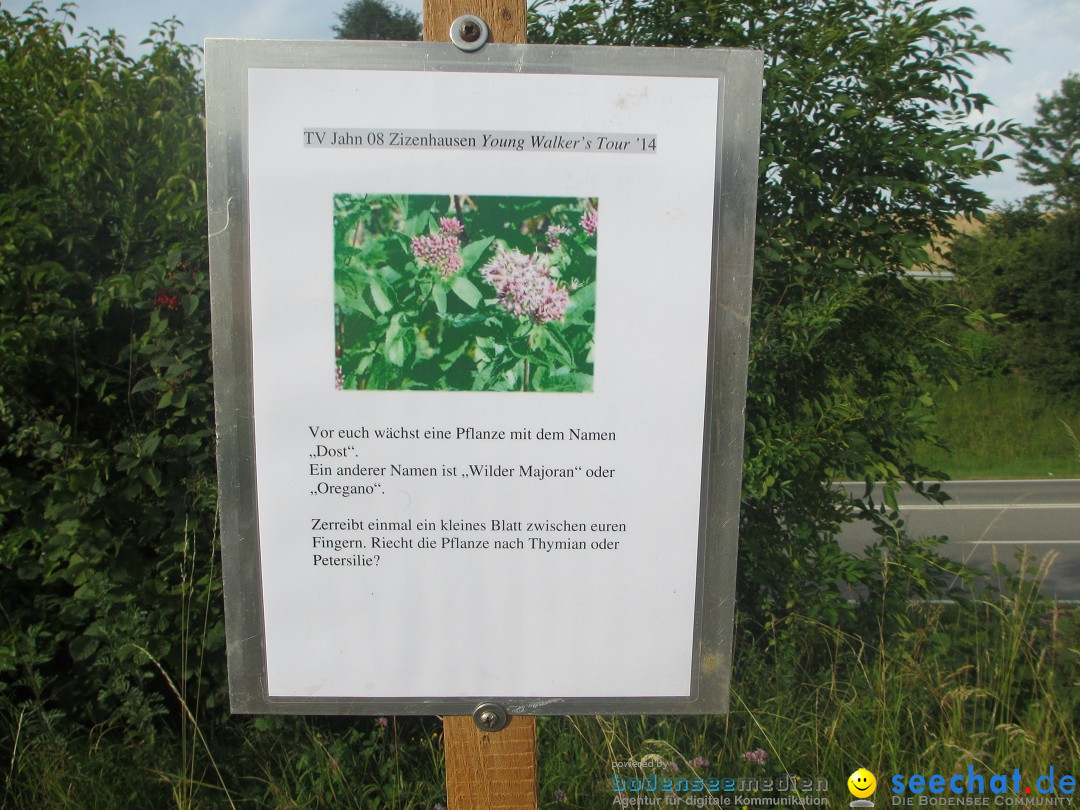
(736, 161)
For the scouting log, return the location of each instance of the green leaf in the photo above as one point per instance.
(395, 352)
(420, 224)
(581, 309)
(151, 476)
(472, 252)
(571, 381)
(466, 291)
(347, 298)
(889, 494)
(150, 444)
(394, 348)
(394, 329)
(145, 384)
(559, 343)
(379, 298)
(82, 647)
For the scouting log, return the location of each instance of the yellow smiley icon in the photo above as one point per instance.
(861, 783)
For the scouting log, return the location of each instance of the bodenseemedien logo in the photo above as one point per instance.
(862, 785)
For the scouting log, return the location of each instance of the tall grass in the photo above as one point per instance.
(1003, 427)
(993, 684)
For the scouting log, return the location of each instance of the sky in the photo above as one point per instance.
(1043, 36)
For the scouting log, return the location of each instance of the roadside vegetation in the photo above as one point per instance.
(1015, 412)
(989, 684)
(112, 648)
(1003, 428)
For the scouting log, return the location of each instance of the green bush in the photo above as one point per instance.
(1025, 265)
(106, 432)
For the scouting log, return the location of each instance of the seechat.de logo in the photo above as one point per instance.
(862, 785)
(975, 789)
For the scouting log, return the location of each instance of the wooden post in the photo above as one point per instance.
(505, 18)
(486, 771)
(490, 771)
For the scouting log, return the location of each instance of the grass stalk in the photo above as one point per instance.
(191, 718)
(14, 758)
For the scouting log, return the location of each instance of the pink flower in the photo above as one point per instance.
(384, 721)
(525, 287)
(757, 757)
(339, 378)
(553, 306)
(699, 762)
(451, 225)
(440, 251)
(588, 221)
(553, 233)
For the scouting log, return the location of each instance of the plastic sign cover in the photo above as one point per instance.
(465, 342)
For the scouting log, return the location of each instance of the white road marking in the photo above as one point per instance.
(982, 481)
(1019, 542)
(974, 506)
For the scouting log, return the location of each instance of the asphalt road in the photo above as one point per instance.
(994, 520)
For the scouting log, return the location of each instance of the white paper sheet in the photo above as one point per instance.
(447, 621)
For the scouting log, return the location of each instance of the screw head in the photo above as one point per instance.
(470, 31)
(490, 717)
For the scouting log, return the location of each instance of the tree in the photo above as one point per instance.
(1051, 148)
(866, 158)
(1025, 265)
(375, 19)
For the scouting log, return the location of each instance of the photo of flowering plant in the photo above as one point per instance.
(464, 293)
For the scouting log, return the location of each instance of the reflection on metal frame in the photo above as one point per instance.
(740, 74)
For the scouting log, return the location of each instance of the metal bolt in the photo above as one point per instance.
(488, 719)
